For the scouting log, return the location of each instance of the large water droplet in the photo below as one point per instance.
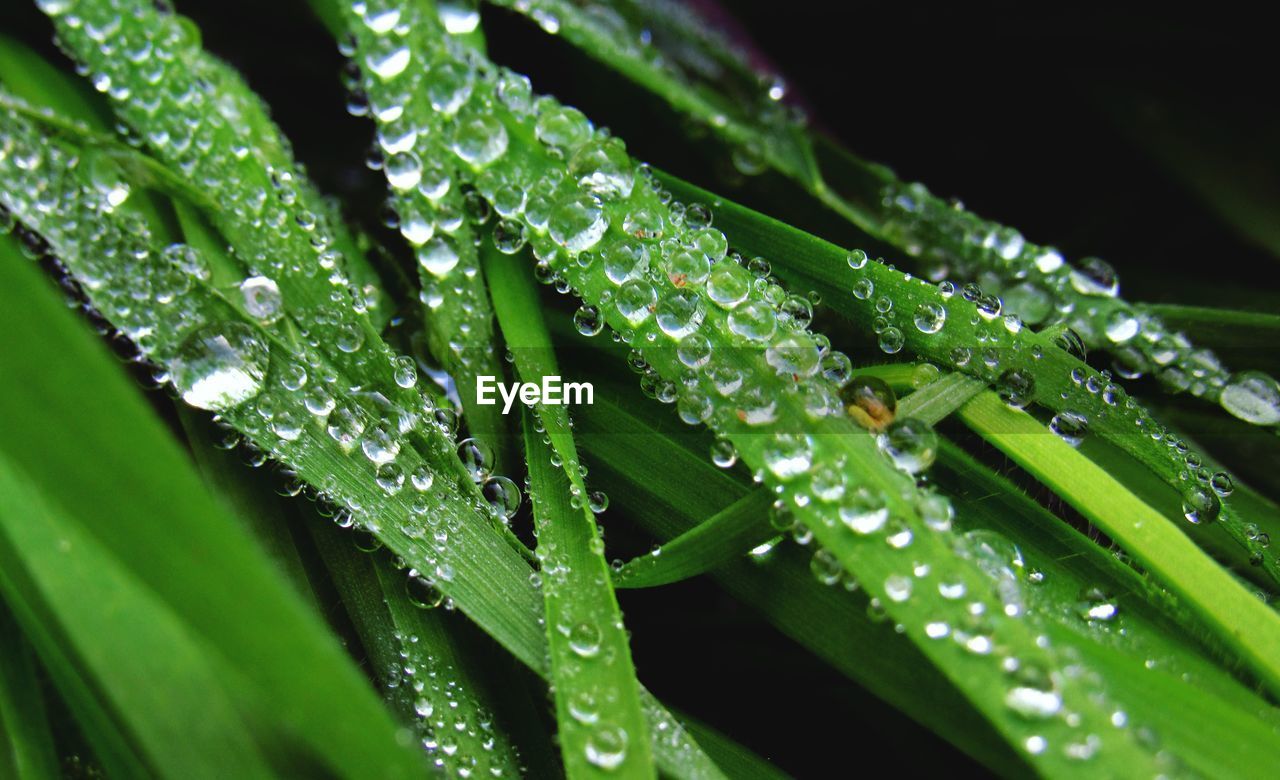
(578, 223)
(607, 746)
(869, 401)
(220, 366)
(911, 444)
(1253, 397)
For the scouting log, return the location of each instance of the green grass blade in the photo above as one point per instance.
(1238, 335)
(836, 628)
(724, 536)
(597, 698)
(480, 570)
(520, 318)
(425, 674)
(26, 744)
(761, 431)
(50, 561)
(602, 728)
(271, 215)
(831, 623)
(1243, 622)
(731, 103)
(940, 398)
(737, 761)
(1060, 381)
(259, 509)
(934, 231)
(81, 403)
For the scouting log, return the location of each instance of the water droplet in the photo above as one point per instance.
(1200, 504)
(480, 140)
(607, 746)
(753, 321)
(584, 639)
(1016, 388)
(220, 366)
(680, 313)
(503, 496)
(635, 301)
(390, 477)
(459, 17)
(863, 512)
(438, 256)
(1097, 606)
(723, 453)
(422, 592)
(1253, 397)
(603, 168)
(891, 340)
(897, 587)
(911, 444)
(625, 260)
(508, 236)
(577, 223)
(477, 456)
(788, 455)
(930, 317)
(729, 284)
(1093, 276)
(869, 401)
(403, 171)
(825, 567)
(1070, 426)
(1121, 326)
(388, 65)
(588, 321)
(422, 478)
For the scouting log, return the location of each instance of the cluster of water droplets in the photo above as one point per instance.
(425, 130)
(455, 730)
(191, 111)
(705, 73)
(714, 334)
(967, 329)
(223, 342)
(1038, 285)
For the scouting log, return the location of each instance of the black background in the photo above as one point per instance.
(1046, 119)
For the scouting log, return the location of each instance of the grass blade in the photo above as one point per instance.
(49, 563)
(424, 672)
(1034, 365)
(602, 728)
(26, 743)
(1239, 619)
(81, 402)
(724, 536)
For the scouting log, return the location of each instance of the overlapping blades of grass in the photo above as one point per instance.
(1067, 567)
(123, 645)
(946, 326)
(694, 70)
(247, 618)
(424, 672)
(355, 402)
(602, 728)
(26, 741)
(508, 138)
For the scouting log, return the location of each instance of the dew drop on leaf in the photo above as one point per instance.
(220, 366)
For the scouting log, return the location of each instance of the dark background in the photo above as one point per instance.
(1057, 121)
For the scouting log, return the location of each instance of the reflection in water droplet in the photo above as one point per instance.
(220, 366)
